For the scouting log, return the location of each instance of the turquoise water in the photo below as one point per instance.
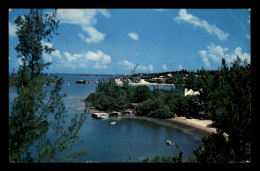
(139, 137)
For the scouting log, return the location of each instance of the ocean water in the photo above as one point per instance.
(138, 137)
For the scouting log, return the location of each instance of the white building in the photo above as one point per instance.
(190, 92)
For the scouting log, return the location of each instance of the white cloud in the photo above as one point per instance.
(72, 57)
(248, 36)
(134, 36)
(94, 60)
(47, 57)
(180, 67)
(204, 57)
(93, 56)
(95, 35)
(164, 67)
(20, 60)
(75, 16)
(238, 52)
(101, 59)
(104, 12)
(55, 53)
(86, 18)
(98, 56)
(80, 16)
(160, 9)
(48, 44)
(145, 68)
(150, 67)
(129, 66)
(211, 29)
(12, 29)
(216, 53)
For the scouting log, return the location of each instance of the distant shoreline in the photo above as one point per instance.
(149, 84)
(142, 82)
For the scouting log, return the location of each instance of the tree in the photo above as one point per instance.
(171, 80)
(36, 112)
(141, 93)
(216, 149)
(191, 82)
(32, 29)
(231, 113)
(181, 107)
(163, 111)
(177, 158)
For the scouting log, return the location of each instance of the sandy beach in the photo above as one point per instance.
(195, 127)
(191, 126)
(203, 125)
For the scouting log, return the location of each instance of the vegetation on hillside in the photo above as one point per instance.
(225, 98)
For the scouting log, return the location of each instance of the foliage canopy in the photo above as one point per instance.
(38, 127)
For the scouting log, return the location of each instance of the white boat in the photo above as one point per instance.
(113, 123)
(169, 142)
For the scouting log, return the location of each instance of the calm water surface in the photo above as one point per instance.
(139, 137)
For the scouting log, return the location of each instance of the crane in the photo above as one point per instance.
(132, 71)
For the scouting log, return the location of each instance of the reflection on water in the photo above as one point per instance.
(139, 137)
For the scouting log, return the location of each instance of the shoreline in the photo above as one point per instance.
(149, 84)
(142, 82)
(201, 125)
(190, 126)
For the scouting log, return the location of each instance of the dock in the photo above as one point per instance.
(102, 115)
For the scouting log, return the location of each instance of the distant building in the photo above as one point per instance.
(190, 92)
(157, 78)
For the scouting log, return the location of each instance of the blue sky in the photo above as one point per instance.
(113, 41)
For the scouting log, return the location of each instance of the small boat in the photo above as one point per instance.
(113, 123)
(169, 142)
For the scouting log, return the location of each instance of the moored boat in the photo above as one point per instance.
(169, 142)
(113, 123)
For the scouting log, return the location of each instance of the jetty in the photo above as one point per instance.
(86, 82)
(102, 115)
(81, 82)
